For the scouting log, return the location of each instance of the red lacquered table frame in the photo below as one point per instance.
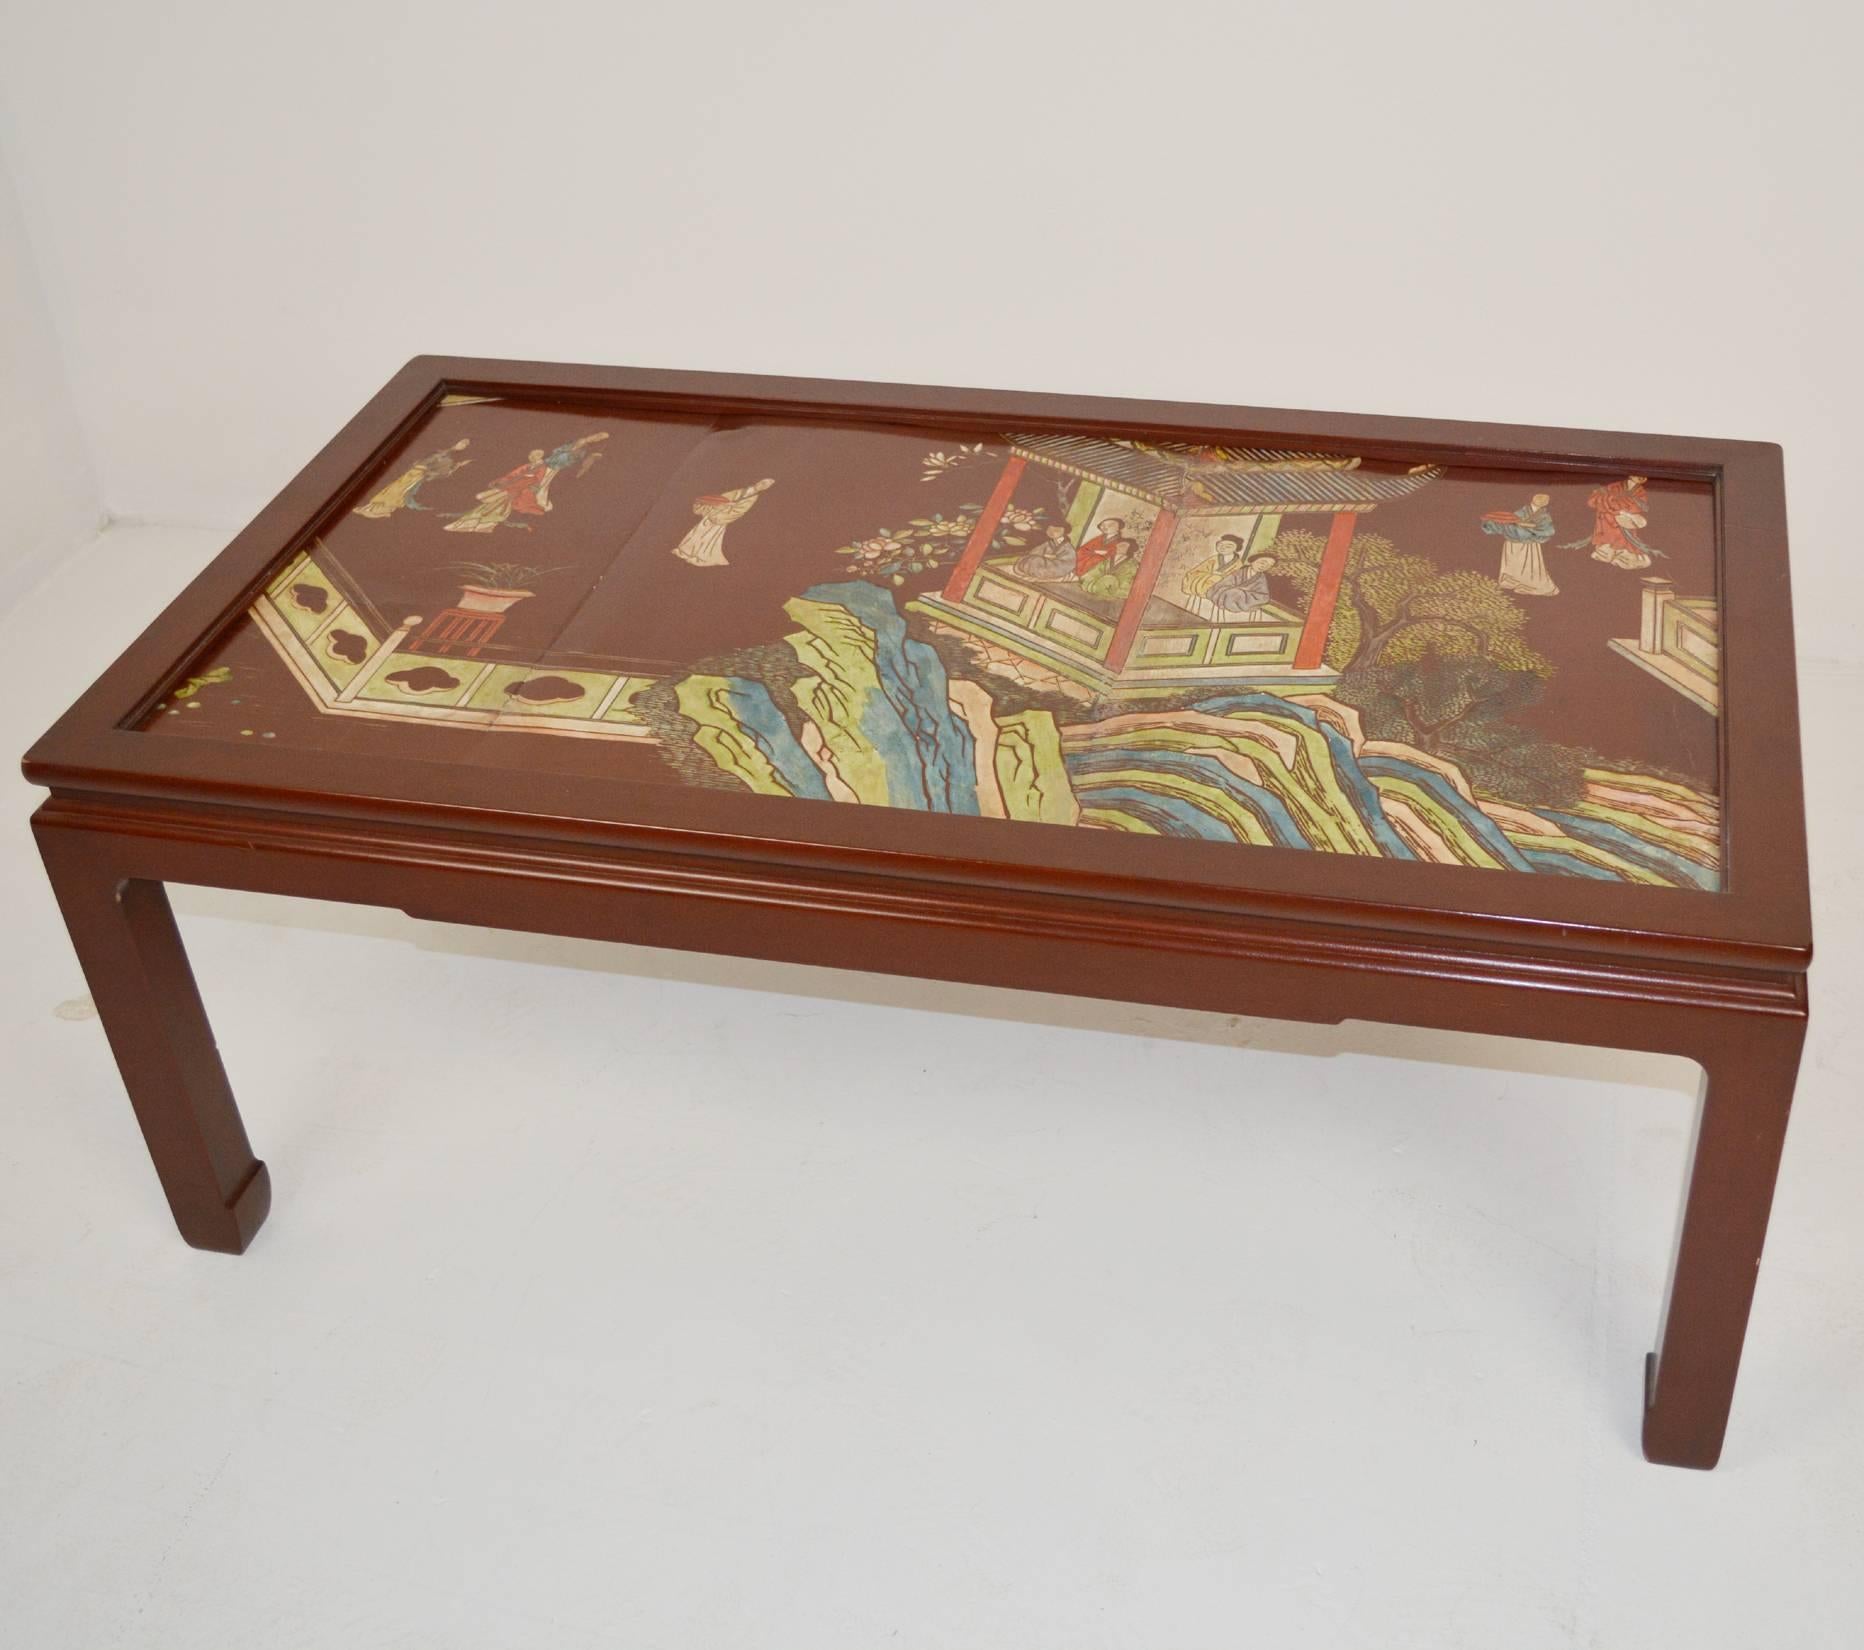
(1718, 978)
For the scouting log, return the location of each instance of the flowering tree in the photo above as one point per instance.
(940, 464)
(926, 543)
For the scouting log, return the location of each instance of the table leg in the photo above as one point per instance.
(1740, 1128)
(138, 973)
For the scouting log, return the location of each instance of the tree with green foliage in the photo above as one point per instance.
(1396, 608)
(1439, 661)
(1462, 708)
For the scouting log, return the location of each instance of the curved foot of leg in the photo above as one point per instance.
(231, 1232)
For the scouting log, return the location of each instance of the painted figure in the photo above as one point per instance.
(1620, 511)
(1097, 549)
(582, 452)
(516, 490)
(1235, 587)
(1112, 578)
(704, 544)
(399, 493)
(1051, 561)
(1524, 568)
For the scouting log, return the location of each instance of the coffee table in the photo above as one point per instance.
(1295, 715)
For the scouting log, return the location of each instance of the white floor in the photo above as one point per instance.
(614, 1297)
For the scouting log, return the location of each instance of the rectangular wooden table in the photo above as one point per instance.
(1284, 714)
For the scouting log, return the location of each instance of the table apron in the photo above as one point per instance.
(1070, 945)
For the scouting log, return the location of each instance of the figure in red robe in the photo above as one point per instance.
(1092, 552)
(515, 492)
(1620, 511)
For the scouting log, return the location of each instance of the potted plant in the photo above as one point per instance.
(495, 586)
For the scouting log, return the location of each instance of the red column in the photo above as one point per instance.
(1311, 651)
(1151, 559)
(985, 530)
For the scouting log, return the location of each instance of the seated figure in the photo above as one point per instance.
(1100, 547)
(1112, 578)
(1236, 588)
(1051, 560)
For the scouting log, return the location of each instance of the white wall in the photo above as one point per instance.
(52, 500)
(1603, 213)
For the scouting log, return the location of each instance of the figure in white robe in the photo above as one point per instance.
(1524, 568)
(704, 545)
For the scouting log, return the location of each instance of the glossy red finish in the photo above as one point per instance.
(582, 837)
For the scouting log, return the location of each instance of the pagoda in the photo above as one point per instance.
(1179, 500)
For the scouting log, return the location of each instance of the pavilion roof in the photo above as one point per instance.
(1222, 480)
